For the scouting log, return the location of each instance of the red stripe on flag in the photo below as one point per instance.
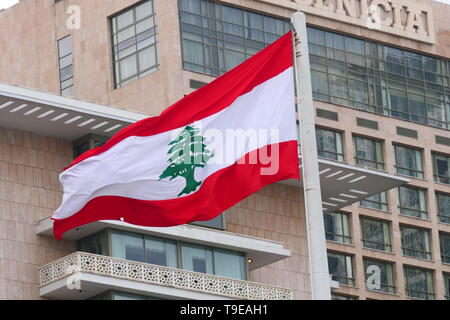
(211, 98)
(217, 193)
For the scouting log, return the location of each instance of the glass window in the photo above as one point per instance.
(376, 234)
(447, 285)
(411, 202)
(134, 43)
(197, 258)
(340, 267)
(443, 207)
(408, 161)
(379, 275)
(65, 56)
(215, 38)
(377, 78)
(96, 243)
(128, 246)
(444, 239)
(377, 201)
(415, 242)
(419, 283)
(162, 252)
(329, 144)
(368, 152)
(229, 264)
(441, 166)
(337, 227)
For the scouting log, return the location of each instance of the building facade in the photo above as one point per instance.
(74, 72)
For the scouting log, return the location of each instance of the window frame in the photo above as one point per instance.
(346, 237)
(430, 295)
(386, 226)
(408, 211)
(437, 177)
(390, 288)
(348, 279)
(338, 145)
(438, 207)
(418, 173)
(118, 82)
(379, 164)
(423, 254)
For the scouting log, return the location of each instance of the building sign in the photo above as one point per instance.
(398, 17)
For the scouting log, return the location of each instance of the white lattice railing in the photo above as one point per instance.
(148, 273)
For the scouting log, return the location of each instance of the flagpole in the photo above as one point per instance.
(320, 279)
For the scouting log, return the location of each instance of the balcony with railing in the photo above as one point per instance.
(84, 275)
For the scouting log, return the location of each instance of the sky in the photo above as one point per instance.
(9, 3)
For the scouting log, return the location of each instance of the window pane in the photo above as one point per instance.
(147, 58)
(412, 202)
(337, 227)
(127, 246)
(415, 243)
(161, 252)
(197, 258)
(379, 276)
(443, 205)
(419, 283)
(229, 264)
(65, 46)
(376, 235)
(128, 67)
(340, 266)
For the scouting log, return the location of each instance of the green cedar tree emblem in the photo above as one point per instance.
(188, 152)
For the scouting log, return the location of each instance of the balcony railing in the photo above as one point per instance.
(153, 274)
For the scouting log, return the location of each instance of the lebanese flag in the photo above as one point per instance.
(202, 155)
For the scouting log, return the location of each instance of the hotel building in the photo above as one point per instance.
(75, 72)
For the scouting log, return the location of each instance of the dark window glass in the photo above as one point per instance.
(368, 152)
(443, 206)
(416, 242)
(411, 202)
(441, 168)
(379, 275)
(377, 201)
(419, 283)
(408, 161)
(340, 267)
(445, 247)
(376, 234)
(329, 144)
(337, 227)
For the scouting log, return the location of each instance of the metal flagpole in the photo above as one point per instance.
(320, 279)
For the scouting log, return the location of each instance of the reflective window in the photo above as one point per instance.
(368, 152)
(65, 56)
(408, 161)
(329, 144)
(213, 261)
(416, 242)
(443, 207)
(134, 43)
(216, 37)
(341, 297)
(376, 234)
(379, 275)
(377, 201)
(411, 202)
(376, 78)
(419, 283)
(444, 239)
(337, 227)
(447, 285)
(340, 267)
(441, 168)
